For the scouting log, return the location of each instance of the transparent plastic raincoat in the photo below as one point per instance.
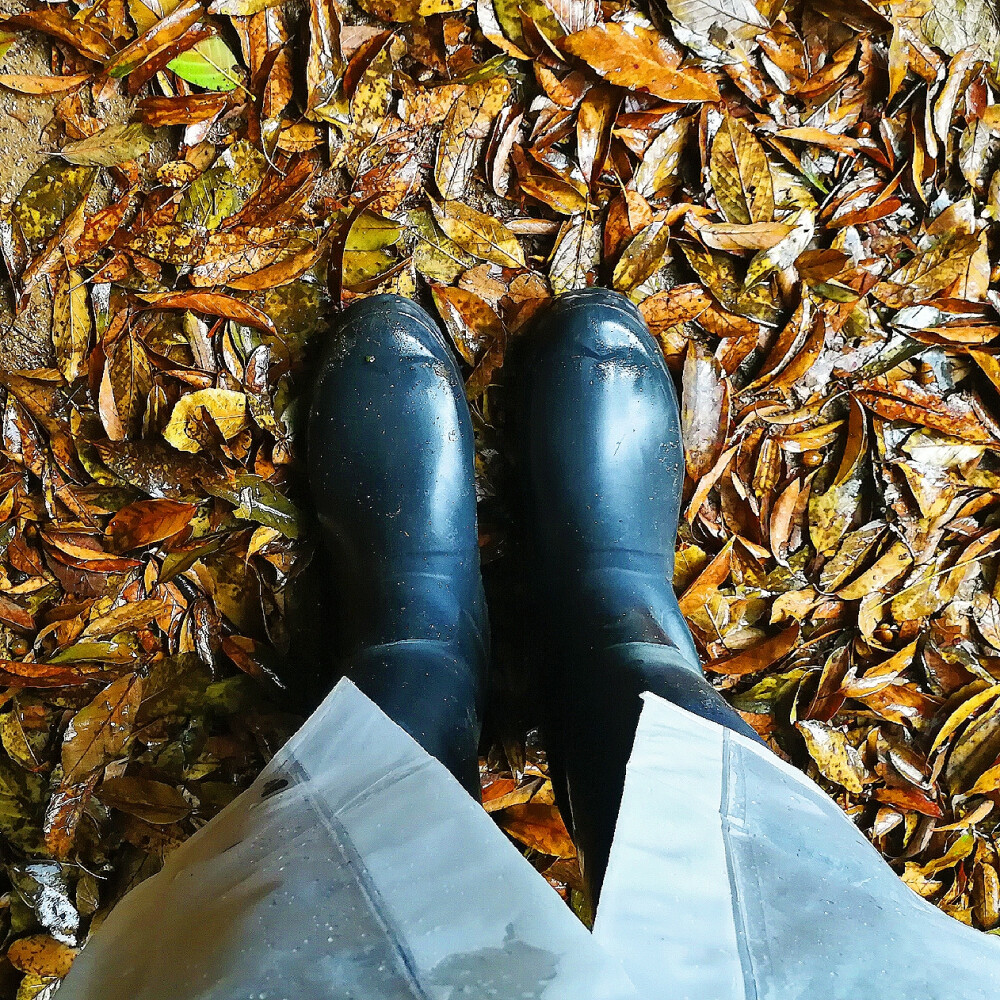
(357, 867)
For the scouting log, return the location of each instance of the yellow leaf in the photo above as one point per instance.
(889, 567)
(227, 408)
(479, 234)
(740, 175)
(41, 955)
(836, 758)
(71, 324)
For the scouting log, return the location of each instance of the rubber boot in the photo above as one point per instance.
(391, 467)
(598, 438)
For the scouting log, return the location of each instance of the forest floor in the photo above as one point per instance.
(802, 200)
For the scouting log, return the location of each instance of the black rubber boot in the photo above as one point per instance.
(598, 437)
(391, 466)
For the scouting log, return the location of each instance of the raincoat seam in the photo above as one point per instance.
(350, 856)
(727, 804)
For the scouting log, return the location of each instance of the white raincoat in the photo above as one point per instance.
(356, 868)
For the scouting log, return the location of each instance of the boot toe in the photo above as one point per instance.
(601, 323)
(386, 326)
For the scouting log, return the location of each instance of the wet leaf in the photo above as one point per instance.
(757, 658)
(99, 732)
(637, 60)
(714, 27)
(835, 757)
(643, 256)
(470, 321)
(465, 127)
(226, 408)
(158, 37)
(540, 827)
(478, 233)
(741, 177)
(704, 410)
(325, 65)
(52, 192)
(213, 304)
(41, 955)
(148, 521)
(110, 146)
(152, 801)
(71, 324)
(27, 84)
(576, 255)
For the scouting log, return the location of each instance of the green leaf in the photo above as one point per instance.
(110, 146)
(210, 64)
(48, 197)
(6, 41)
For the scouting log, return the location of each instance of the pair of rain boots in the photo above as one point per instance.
(597, 439)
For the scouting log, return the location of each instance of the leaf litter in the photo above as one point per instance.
(802, 202)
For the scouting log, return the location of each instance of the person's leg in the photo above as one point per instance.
(391, 468)
(598, 436)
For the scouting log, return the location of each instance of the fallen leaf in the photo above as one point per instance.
(835, 757)
(637, 60)
(478, 233)
(226, 408)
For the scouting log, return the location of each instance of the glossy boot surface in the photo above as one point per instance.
(391, 468)
(598, 436)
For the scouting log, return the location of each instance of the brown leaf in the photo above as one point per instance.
(63, 814)
(594, 122)
(26, 84)
(325, 65)
(152, 801)
(130, 373)
(539, 827)
(466, 126)
(637, 60)
(100, 731)
(147, 521)
(189, 109)
(212, 304)
(159, 37)
(61, 25)
(757, 658)
(470, 320)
